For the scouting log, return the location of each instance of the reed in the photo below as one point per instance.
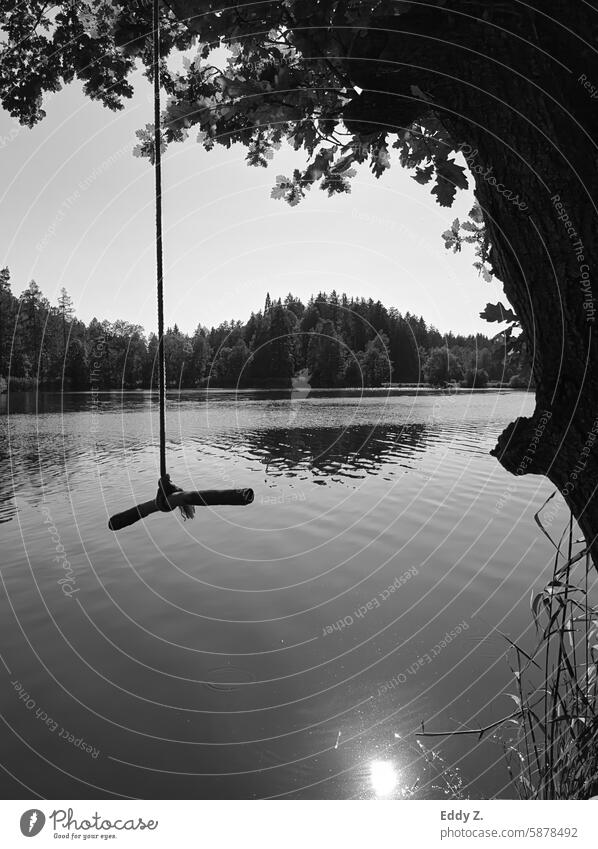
(552, 746)
(554, 752)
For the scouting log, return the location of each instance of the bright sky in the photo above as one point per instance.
(76, 210)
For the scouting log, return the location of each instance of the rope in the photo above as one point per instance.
(186, 501)
(165, 487)
(159, 249)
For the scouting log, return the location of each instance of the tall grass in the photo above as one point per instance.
(552, 746)
(554, 753)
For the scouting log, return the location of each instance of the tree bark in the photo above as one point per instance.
(511, 89)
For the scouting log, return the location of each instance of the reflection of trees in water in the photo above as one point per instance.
(39, 463)
(347, 452)
(44, 403)
(42, 455)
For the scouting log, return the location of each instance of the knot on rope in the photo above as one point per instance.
(166, 488)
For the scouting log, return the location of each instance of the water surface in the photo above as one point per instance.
(282, 649)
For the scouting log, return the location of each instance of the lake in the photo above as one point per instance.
(288, 649)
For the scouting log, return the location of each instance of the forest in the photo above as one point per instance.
(335, 340)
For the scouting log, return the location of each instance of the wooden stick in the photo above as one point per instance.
(129, 517)
(203, 498)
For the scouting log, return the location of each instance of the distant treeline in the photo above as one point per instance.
(331, 341)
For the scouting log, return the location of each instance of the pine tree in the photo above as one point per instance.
(5, 309)
(34, 308)
(325, 356)
(66, 311)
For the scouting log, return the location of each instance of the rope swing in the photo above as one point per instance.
(168, 496)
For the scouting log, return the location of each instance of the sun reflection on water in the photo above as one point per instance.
(383, 778)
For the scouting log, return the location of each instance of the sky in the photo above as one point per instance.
(76, 210)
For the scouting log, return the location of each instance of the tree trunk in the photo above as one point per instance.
(511, 90)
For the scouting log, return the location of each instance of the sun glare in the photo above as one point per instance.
(383, 777)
